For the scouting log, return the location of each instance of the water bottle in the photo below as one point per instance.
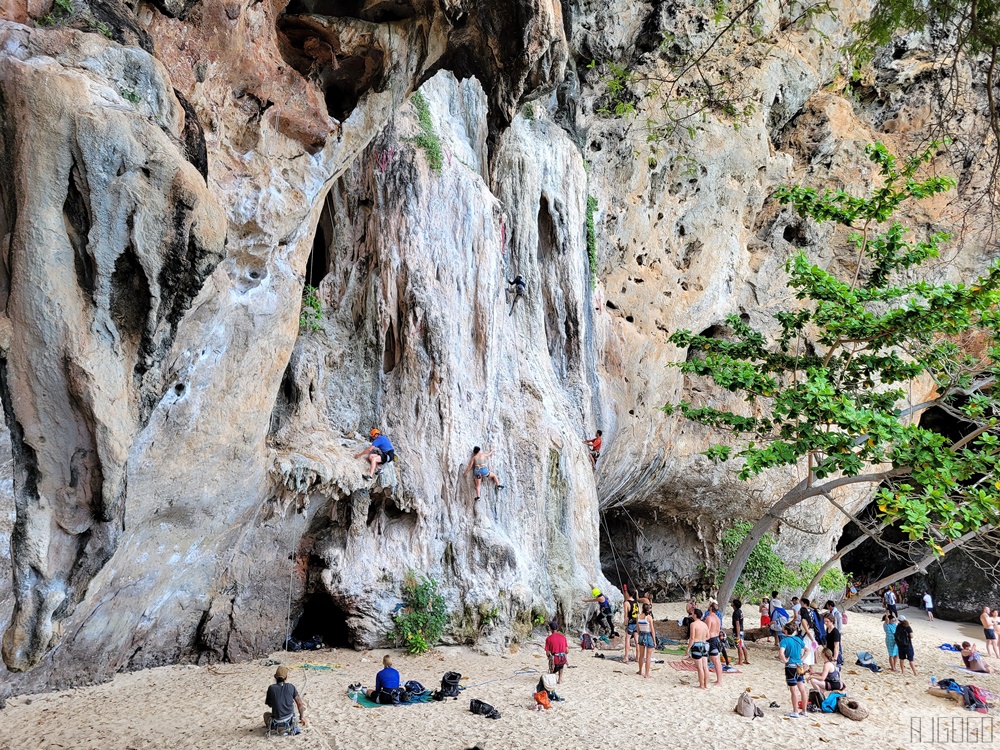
(933, 681)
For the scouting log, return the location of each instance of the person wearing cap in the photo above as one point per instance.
(282, 698)
(379, 452)
(556, 648)
(605, 604)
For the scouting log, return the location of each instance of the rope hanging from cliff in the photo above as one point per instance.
(288, 614)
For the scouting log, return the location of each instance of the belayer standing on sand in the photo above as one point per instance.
(478, 461)
(378, 453)
(595, 448)
(605, 604)
(556, 648)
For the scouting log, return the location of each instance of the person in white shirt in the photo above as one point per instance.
(929, 606)
(798, 609)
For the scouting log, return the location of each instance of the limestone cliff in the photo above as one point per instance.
(175, 173)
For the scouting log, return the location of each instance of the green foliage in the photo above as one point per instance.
(621, 100)
(592, 239)
(311, 313)
(975, 24)
(879, 330)
(529, 112)
(765, 571)
(100, 27)
(420, 625)
(489, 616)
(129, 95)
(60, 11)
(428, 139)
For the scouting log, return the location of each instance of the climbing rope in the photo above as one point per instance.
(288, 614)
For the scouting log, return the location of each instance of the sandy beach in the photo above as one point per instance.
(606, 703)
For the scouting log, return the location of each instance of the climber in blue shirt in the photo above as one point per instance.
(378, 453)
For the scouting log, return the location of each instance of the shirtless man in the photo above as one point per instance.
(698, 647)
(989, 632)
(714, 623)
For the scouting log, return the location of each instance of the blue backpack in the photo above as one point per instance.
(829, 705)
(818, 626)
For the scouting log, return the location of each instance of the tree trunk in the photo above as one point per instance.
(921, 564)
(800, 492)
(811, 588)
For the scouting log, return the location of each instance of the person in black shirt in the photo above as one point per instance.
(282, 698)
(904, 640)
(741, 649)
(833, 641)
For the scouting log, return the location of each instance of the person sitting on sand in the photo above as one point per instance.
(386, 681)
(974, 661)
(790, 652)
(647, 639)
(829, 678)
(698, 647)
(282, 698)
(556, 648)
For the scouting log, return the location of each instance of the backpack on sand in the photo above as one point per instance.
(449, 686)
(587, 642)
(485, 709)
(746, 707)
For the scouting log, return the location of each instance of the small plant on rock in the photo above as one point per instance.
(312, 310)
(420, 625)
(428, 139)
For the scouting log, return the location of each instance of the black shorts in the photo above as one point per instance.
(386, 456)
(699, 650)
(834, 685)
(792, 676)
(714, 646)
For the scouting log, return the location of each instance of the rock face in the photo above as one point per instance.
(184, 480)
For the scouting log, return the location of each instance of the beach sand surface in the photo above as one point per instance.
(606, 704)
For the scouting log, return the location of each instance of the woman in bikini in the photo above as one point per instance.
(647, 638)
(765, 612)
(478, 462)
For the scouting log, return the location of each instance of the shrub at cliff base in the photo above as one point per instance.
(423, 619)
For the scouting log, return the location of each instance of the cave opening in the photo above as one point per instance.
(871, 561)
(322, 617)
(318, 264)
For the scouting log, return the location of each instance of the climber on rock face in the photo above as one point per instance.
(606, 611)
(478, 462)
(518, 287)
(378, 453)
(595, 448)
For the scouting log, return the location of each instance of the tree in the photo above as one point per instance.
(839, 404)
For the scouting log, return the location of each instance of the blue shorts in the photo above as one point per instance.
(990, 633)
(699, 650)
(631, 628)
(481, 472)
(646, 639)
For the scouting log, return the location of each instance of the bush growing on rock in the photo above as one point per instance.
(424, 617)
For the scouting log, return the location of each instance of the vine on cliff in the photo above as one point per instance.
(428, 139)
(592, 239)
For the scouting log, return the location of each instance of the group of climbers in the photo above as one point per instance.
(381, 452)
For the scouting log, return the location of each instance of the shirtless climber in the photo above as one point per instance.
(518, 287)
(595, 448)
(378, 453)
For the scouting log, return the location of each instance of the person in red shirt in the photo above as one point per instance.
(556, 649)
(595, 448)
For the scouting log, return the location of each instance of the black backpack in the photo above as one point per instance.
(483, 709)
(415, 689)
(450, 686)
